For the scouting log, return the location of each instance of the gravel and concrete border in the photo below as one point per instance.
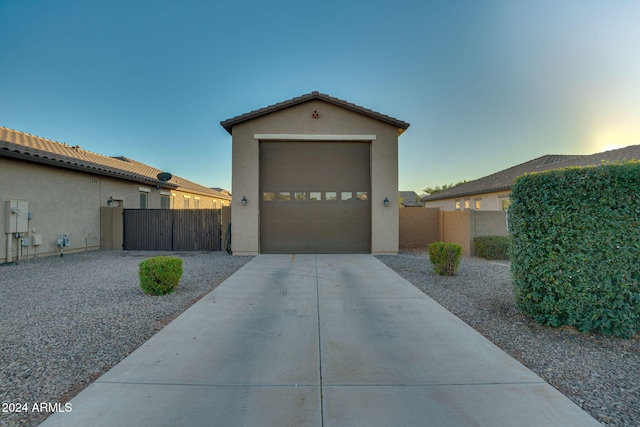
(600, 374)
(66, 320)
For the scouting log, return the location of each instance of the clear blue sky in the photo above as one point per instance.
(484, 84)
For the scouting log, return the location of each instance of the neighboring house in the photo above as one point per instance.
(222, 190)
(61, 189)
(409, 199)
(314, 174)
(493, 192)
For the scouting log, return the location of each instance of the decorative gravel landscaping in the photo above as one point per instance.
(600, 374)
(67, 320)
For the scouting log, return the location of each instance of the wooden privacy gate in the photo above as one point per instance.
(172, 230)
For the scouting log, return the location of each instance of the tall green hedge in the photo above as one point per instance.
(575, 256)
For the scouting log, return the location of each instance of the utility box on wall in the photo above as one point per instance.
(16, 216)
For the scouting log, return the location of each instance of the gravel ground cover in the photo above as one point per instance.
(64, 321)
(600, 374)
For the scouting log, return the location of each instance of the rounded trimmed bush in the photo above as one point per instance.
(445, 257)
(160, 275)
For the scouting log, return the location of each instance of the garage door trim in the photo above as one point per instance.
(309, 137)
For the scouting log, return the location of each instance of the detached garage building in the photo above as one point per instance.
(314, 174)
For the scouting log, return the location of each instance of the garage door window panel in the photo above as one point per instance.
(268, 196)
(284, 196)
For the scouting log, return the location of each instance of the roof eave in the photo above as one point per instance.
(229, 123)
(84, 167)
(437, 196)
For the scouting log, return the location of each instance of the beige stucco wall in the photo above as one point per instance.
(490, 223)
(206, 202)
(488, 202)
(418, 227)
(60, 201)
(68, 201)
(462, 227)
(455, 227)
(297, 120)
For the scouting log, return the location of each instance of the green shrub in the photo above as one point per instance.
(445, 257)
(576, 245)
(160, 275)
(492, 247)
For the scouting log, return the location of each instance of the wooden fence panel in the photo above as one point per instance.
(196, 230)
(172, 230)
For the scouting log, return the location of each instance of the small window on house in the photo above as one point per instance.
(165, 202)
(504, 203)
(315, 195)
(284, 196)
(186, 203)
(477, 204)
(467, 204)
(331, 195)
(196, 203)
(143, 200)
(457, 204)
(300, 195)
(361, 195)
(346, 195)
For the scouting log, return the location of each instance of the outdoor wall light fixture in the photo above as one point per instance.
(244, 201)
(110, 202)
(386, 202)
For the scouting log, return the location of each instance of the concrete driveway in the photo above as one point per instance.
(319, 340)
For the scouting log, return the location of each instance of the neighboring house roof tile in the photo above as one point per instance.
(41, 150)
(502, 181)
(229, 123)
(408, 199)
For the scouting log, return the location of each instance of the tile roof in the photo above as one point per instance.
(502, 181)
(229, 123)
(408, 199)
(41, 150)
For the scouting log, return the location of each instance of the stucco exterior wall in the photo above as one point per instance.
(60, 201)
(127, 194)
(418, 227)
(462, 227)
(68, 201)
(298, 120)
(490, 223)
(455, 227)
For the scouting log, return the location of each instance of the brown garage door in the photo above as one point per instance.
(314, 197)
